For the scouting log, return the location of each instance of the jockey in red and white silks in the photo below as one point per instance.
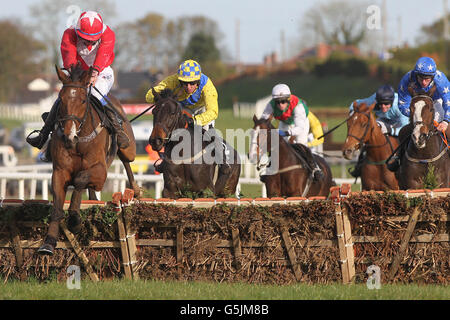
(91, 42)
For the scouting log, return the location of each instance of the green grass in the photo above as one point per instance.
(172, 290)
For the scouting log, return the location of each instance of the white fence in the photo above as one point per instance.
(29, 181)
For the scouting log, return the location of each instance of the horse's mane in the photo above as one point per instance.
(76, 72)
(166, 93)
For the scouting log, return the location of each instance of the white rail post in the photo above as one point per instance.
(3, 189)
(45, 189)
(22, 189)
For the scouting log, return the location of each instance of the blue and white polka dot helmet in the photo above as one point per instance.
(189, 71)
(425, 66)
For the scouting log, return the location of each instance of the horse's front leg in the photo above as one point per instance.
(74, 220)
(137, 190)
(60, 181)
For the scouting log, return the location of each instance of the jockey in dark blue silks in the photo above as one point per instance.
(422, 78)
(389, 117)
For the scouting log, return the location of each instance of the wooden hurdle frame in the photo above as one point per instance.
(128, 243)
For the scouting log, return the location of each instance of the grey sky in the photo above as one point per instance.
(261, 21)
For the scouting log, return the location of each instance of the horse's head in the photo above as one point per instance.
(73, 96)
(359, 124)
(261, 138)
(422, 116)
(167, 116)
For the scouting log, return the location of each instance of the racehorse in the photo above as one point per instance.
(426, 146)
(181, 172)
(292, 177)
(363, 133)
(81, 150)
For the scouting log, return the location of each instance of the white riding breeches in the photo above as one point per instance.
(438, 110)
(303, 139)
(104, 83)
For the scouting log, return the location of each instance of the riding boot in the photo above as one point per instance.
(317, 173)
(122, 139)
(49, 120)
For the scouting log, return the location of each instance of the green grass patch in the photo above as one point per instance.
(172, 290)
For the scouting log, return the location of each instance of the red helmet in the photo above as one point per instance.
(90, 26)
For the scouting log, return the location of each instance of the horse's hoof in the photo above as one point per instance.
(46, 249)
(74, 224)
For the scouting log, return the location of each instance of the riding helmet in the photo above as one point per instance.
(90, 26)
(189, 71)
(385, 95)
(425, 66)
(281, 91)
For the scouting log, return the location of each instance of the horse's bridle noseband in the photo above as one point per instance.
(72, 117)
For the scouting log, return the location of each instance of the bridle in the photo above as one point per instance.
(363, 137)
(168, 132)
(61, 120)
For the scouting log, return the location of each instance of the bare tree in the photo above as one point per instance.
(338, 22)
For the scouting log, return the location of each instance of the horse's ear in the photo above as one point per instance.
(432, 91)
(156, 95)
(355, 105)
(255, 119)
(61, 75)
(270, 118)
(372, 106)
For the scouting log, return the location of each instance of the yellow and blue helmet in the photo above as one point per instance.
(189, 71)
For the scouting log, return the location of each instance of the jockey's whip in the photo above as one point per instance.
(151, 106)
(331, 130)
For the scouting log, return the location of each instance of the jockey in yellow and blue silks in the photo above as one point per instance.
(196, 93)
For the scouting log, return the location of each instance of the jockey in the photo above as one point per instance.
(196, 94)
(91, 43)
(389, 117)
(422, 78)
(293, 115)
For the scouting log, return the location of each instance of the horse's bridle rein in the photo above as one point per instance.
(361, 140)
(72, 117)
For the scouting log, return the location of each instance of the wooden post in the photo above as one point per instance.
(117, 197)
(15, 242)
(348, 240)
(130, 233)
(336, 197)
(404, 244)
(77, 248)
(179, 247)
(236, 240)
(291, 253)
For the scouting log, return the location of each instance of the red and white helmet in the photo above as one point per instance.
(90, 26)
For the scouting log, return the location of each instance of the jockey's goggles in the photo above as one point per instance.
(185, 83)
(282, 101)
(425, 76)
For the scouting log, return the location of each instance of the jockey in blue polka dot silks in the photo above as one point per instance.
(423, 77)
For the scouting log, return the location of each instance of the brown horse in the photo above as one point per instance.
(363, 132)
(81, 151)
(289, 177)
(191, 168)
(425, 148)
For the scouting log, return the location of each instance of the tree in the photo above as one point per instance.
(18, 52)
(433, 32)
(337, 23)
(202, 48)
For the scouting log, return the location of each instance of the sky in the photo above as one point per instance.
(261, 21)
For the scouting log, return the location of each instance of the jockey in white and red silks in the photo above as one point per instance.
(90, 43)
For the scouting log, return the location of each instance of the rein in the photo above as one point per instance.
(97, 129)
